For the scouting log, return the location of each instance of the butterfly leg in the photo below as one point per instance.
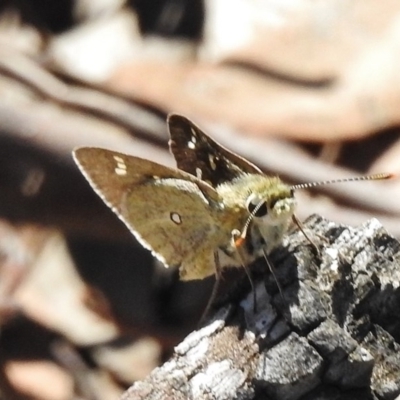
(237, 242)
(214, 292)
(300, 226)
(272, 269)
(253, 289)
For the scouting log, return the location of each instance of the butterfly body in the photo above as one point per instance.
(187, 216)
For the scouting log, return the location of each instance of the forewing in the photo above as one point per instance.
(169, 211)
(199, 155)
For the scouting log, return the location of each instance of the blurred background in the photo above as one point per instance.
(308, 90)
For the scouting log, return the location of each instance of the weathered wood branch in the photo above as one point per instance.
(336, 335)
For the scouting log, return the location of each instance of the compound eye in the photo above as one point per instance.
(257, 207)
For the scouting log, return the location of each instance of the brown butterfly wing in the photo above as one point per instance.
(169, 211)
(199, 155)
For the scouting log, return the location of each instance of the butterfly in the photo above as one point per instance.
(215, 210)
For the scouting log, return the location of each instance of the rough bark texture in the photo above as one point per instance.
(335, 336)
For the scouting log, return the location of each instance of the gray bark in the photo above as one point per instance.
(334, 336)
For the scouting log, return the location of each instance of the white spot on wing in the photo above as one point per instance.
(211, 159)
(193, 140)
(176, 218)
(194, 134)
(120, 169)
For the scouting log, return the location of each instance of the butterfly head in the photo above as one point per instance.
(270, 205)
(274, 208)
(271, 202)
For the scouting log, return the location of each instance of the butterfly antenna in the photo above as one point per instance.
(374, 177)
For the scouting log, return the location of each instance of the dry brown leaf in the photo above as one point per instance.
(42, 380)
